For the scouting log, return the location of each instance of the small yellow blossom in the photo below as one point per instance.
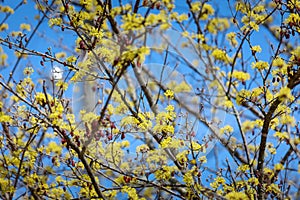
(25, 27)
(188, 178)
(278, 167)
(55, 21)
(260, 65)
(242, 76)
(61, 84)
(242, 96)
(142, 148)
(256, 48)
(3, 27)
(169, 94)
(28, 71)
(226, 129)
(219, 54)
(285, 95)
(253, 180)
(231, 37)
(278, 62)
(71, 59)
(60, 55)
(243, 168)
(228, 104)
(5, 118)
(6, 9)
(203, 159)
(236, 196)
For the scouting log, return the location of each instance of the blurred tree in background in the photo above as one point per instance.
(152, 99)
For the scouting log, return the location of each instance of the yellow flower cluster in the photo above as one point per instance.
(231, 37)
(165, 121)
(61, 84)
(131, 193)
(218, 181)
(242, 96)
(170, 142)
(188, 177)
(217, 24)
(243, 168)
(236, 196)
(169, 94)
(260, 65)
(3, 27)
(241, 76)
(25, 27)
(53, 147)
(6, 9)
(206, 9)
(165, 173)
(226, 129)
(256, 48)
(220, 55)
(40, 98)
(132, 22)
(285, 95)
(55, 22)
(5, 118)
(294, 20)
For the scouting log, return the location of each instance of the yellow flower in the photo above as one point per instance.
(242, 96)
(53, 147)
(166, 142)
(206, 11)
(278, 167)
(285, 95)
(203, 159)
(165, 172)
(219, 54)
(260, 65)
(3, 27)
(25, 27)
(287, 119)
(228, 104)
(5, 118)
(3, 58)
(131, 192)
(242, 76)
(226, 129)
(28, 71)
(256, 48)
(243, 168)
(71, 59)
(169, 94)
(253, 180)
(278, 62)
(61, 84)
(217, 24)
(188, 178)
(170, 108)
(236, 196)
(182, 87)
(196, 146)
(182, 156)
(254, 26)
(231, 37)
(273, 188)
(142, 148)
(55, 21)
(220, 180)
(60, 55)
(7, 9)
